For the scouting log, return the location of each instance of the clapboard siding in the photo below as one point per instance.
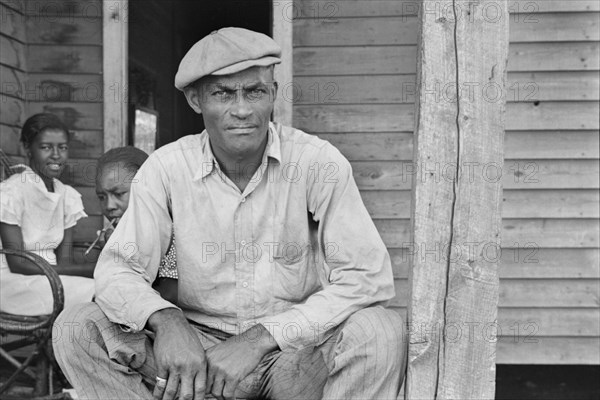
(51, 61)
(354, 85)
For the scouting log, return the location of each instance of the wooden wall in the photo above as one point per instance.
(51, 61)
(354, 85)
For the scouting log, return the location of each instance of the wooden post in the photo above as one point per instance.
(115, 40)
(456, 219)
(282, 34)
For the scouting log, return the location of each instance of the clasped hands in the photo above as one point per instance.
(190, 371)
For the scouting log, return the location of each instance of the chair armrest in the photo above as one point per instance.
(23, 324)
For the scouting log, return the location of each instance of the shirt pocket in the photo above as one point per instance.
(293, 272)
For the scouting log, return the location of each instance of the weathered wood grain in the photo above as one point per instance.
(555, 27)
(515, 174)
(12, 82)
(13, 23)
(13, 111)
(64, 59)
(529, 293)
(9, 139)
(549, 350)
(573, 203)
(532, 115)
(541, 27)
(386, 89)
(64, 31)
(115, 29)
(91, 204)
(578, 56)
(526, 262)
(54, 87)
(552, 145)
(354, 60)
(13, 53)
(77, 116)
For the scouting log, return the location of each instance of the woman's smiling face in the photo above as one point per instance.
(48, 153)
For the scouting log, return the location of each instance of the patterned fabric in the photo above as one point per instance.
(168, 265)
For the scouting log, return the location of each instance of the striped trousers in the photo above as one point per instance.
(364, 358)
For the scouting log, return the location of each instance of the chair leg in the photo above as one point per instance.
(41, 383)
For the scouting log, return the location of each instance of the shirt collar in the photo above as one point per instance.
(209, 163)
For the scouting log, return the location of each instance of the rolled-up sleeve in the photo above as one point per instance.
(130, 259)
(357, 264)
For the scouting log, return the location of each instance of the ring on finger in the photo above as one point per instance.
(161, 382)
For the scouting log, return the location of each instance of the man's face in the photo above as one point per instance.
(112, 189)
(236, 109)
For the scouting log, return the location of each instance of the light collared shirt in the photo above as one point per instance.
(296, 251)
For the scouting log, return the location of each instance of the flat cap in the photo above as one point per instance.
(224, 52)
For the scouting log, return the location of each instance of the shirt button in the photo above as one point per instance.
(243, 199)
(243, 242)
(245, 284)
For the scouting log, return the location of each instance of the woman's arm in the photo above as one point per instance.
(12, 238)
(64, 258)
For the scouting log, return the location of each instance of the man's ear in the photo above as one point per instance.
(275, 90)
(192, 95)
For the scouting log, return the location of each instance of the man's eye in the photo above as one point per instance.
(101, 197)
(64, 148)
(256, 94)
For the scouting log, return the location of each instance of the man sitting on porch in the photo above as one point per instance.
(282, 273)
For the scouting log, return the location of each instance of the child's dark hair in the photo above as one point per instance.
(131, 157)
(38, 123)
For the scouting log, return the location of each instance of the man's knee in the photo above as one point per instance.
(382, 328)
(76, 326)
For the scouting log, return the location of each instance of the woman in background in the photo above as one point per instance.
(38, 213)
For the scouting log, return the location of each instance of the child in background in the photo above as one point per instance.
(37, 214)
(115, 172)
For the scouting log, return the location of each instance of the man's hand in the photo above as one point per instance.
(180, 357)
(231, 361)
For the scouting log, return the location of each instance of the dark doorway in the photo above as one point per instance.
(160, 33)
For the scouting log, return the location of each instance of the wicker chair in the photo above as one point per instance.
(19, 331)
(34, 331)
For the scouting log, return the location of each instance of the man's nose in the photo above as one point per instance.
(241, 108)
(55, 152)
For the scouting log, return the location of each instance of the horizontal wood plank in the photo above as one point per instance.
(64, 87)
(359, 60)
(9, 139)
(13, 23)
(552, 145)
(13, 111)
(64, 31)
(355, 60)
(77, 116)
(571, 56)
(386, 89)
(318, 9)
(65, 59)
(517, 204)
(528, 263)
(541, 27)
(519, 145)
(12, 82)
(525, 233)
(372, 146)
(515, 174)
(554, 27)
(399, 117)
(86, 144)
(527, 293)
(573, 203)
(90, 9)
(13, 53)
(549, 350)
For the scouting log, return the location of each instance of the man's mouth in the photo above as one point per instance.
(242, 128)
